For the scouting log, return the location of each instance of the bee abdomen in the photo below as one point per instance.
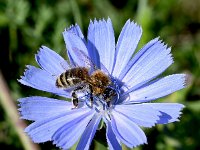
(62, 82)
(71, 77)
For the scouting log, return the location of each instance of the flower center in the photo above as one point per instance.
(104, 101)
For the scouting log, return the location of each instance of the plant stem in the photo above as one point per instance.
(11, 111)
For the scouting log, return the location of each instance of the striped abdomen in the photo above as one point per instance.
(72, 77)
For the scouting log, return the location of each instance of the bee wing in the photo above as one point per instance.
(83, 60)
(105, 70)
(72, 62)
(65, 65)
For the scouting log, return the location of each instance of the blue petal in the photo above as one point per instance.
(111, 138)
(43, 130)
(36, 107)
(157, 89)
(101, 43)
(66, 136)
(51, 61)
(170, 112)
(126, 45)
(75, 29)
(141, 114)
(136, 57)
(74, 42)
(41, 80)
(126, 130)
(88, 134)
(149, 62)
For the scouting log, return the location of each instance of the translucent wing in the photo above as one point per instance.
(82, 59)
(72, 63)
(105, 70)
(65, 65)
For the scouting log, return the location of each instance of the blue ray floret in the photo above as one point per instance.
(134, 81)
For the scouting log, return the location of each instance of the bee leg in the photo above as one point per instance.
(91, 96)
(108, 94)
(91, 99)
(108, 102)
(74, 99)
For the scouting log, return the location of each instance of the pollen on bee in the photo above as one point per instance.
(100, 79)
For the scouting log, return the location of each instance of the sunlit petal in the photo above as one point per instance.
(126, 45)
(101, 43)
(35, 107)
(41, 80)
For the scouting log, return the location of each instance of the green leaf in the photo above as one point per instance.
(193, 106)
(99, 146)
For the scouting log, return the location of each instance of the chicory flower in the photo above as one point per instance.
(135, 83)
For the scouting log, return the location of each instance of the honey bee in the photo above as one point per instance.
(80, 78)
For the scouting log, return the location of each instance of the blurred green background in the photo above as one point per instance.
(25, 25)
